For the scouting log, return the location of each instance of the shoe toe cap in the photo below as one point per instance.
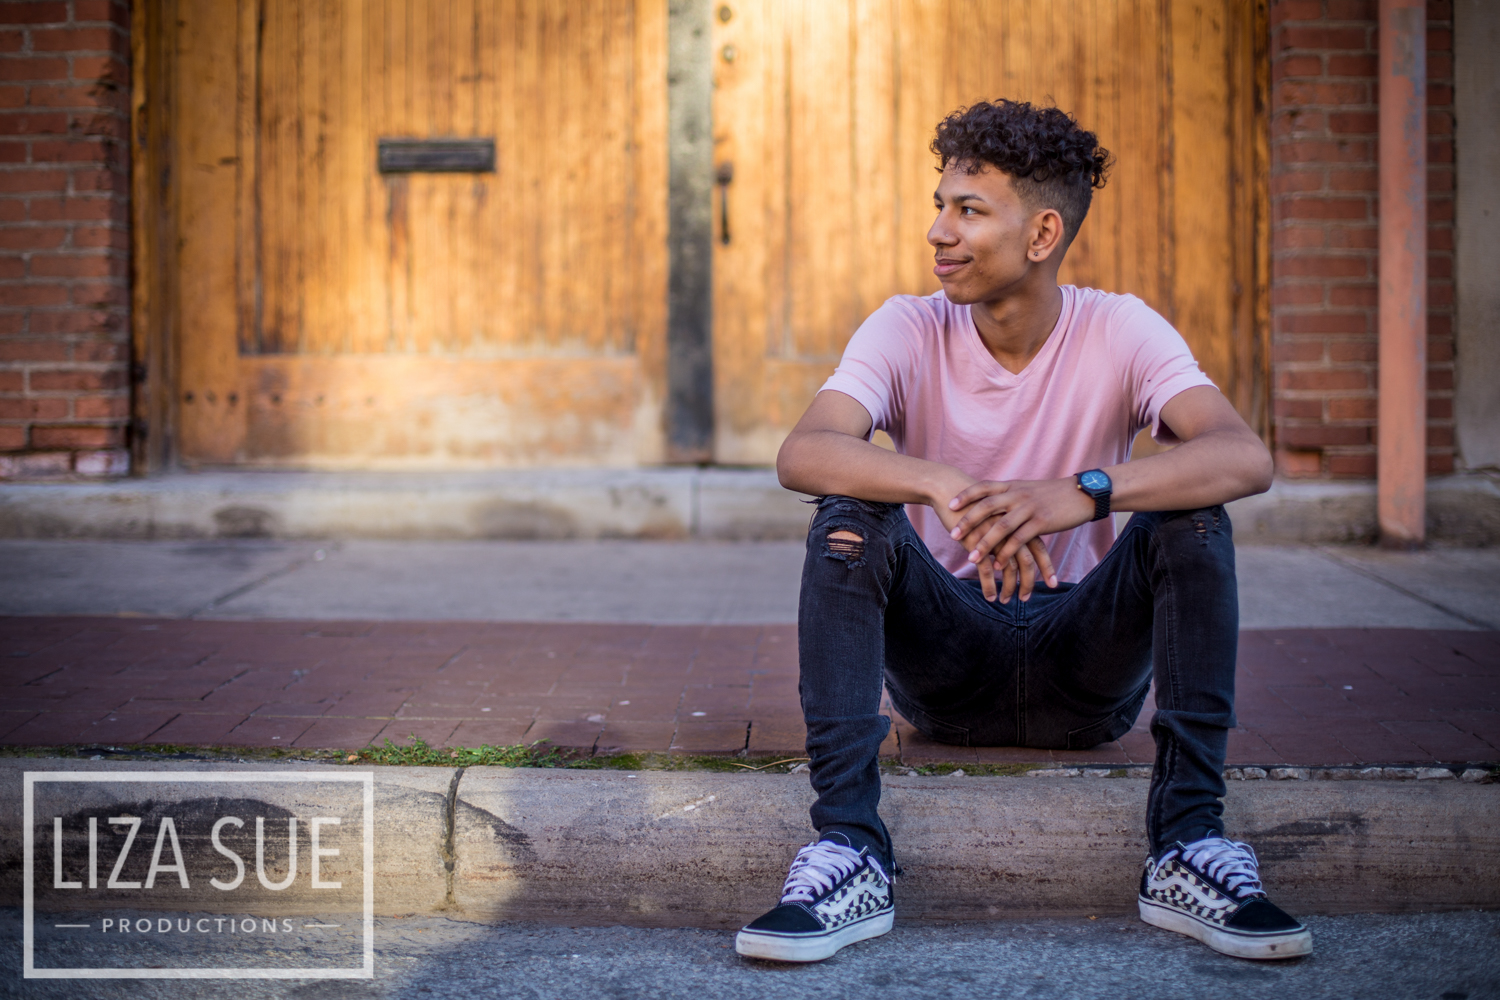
(1261, 916)
(788, 918)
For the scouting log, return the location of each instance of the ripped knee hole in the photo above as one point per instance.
(845, 543)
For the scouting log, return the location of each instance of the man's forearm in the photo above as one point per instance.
(1213, 468)
(825, 463)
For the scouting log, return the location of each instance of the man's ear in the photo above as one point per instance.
(1047, 236)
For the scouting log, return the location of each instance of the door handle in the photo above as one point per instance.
(723, 176)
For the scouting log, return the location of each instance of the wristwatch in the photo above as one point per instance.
(1097, 485)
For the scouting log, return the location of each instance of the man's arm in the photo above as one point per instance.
(1220, 459)
(828, 453)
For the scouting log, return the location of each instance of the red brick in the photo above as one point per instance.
(1311, 266)
(1352, 409)
(1353, 122)
(29, 180)
(1307, 37)
(1291, 237)
(12, 149)
(1439, 408)
(99, 180)
(1314, 207)
(1439, 95)
(11, 323)
(101, 236)
(1440, 379)
(1440, 325)
(36, 295)
(1353, 237)
(110, 68)
(1439, 349)
(73, 39)
(12, 268)
(1366, 179)
(1300, 65)
(1326, 380)
(76, 266)
(1298, 464)
(11, 40)
(1439, 436)
(12, 438)
(33, 350)
(1352, 10)
(40, 12)
(74, 321)
(1358, 466)
(99, 10)
(65, 97)
(101, 407)
(69, 151)
(1347, 351)
(1324, 151)
(1295, 10)
(1315, 435)
(99, 294)
(32, 237)
(33, 409)
(1440, 465)
(32, 68)
(1298, 121)
(76, 437)
(14, 382)
(1303, 93)
(1297, 350)
(1306, 294)
(1345, 65)
(1347, 296)
(1298, 409)
(94, 208)
(19, 123)
(12, 97)
(63, 380)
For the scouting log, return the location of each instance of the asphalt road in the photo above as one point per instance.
(1453, 956)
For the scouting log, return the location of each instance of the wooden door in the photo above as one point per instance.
(330, 315)
(826, 108)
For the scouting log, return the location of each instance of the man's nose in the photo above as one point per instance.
(938, 235)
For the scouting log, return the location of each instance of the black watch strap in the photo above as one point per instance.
(1101, 497)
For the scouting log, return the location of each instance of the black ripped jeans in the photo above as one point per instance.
(1067, 670)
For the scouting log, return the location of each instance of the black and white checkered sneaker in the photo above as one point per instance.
(1210, 890)
(833, 896)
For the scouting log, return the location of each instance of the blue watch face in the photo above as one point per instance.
(1094, 480)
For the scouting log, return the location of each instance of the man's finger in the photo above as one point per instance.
(1043, 561)
(987, 579)
(995, 532)
(1028, 572)
(978, 512)
(1008, 578)
(974, 492)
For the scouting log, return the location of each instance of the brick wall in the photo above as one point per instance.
(1325, 219)
(64, 237)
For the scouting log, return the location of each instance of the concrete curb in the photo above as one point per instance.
(709, 849)
(730, 504)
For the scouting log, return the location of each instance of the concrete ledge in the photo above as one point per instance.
(708, 849)
(730, 504)
(533, 504)
(1461, 510)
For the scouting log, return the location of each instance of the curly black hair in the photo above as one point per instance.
(1051, 161)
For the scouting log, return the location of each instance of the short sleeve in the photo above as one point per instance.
(880, 358)
(1153, 362)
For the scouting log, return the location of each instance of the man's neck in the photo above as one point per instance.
(1014, 326)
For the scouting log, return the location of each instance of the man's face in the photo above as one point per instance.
(981, 235)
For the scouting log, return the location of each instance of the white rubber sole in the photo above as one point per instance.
(802, 948)
(1256, 946)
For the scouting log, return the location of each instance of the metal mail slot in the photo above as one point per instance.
(465, 156)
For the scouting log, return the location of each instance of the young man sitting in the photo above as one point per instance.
(1012, 403)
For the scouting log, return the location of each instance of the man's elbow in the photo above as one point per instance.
(1260, 471)
(786, 462)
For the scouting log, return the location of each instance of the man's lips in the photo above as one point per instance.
(946, 266)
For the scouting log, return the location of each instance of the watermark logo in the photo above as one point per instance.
(199, 875)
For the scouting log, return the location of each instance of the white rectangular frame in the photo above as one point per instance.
(367, 778)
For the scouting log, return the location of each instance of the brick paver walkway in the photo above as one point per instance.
(1308, 697)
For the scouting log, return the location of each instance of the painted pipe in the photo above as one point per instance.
(1402, 424)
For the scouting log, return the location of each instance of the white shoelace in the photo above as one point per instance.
(1228, 862)
(817, 868)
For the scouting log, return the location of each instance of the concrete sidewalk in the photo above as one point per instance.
(661, 583)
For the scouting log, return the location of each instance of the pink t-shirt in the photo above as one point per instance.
(1108, 367)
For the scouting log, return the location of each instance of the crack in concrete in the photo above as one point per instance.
(244, 589)
(1371, 574)
(449, 853)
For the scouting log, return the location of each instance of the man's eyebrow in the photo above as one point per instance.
(958, 198)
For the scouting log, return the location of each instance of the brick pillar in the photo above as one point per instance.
(1325, 218)
(64, 237)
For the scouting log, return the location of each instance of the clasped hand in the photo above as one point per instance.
(1001, 524)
